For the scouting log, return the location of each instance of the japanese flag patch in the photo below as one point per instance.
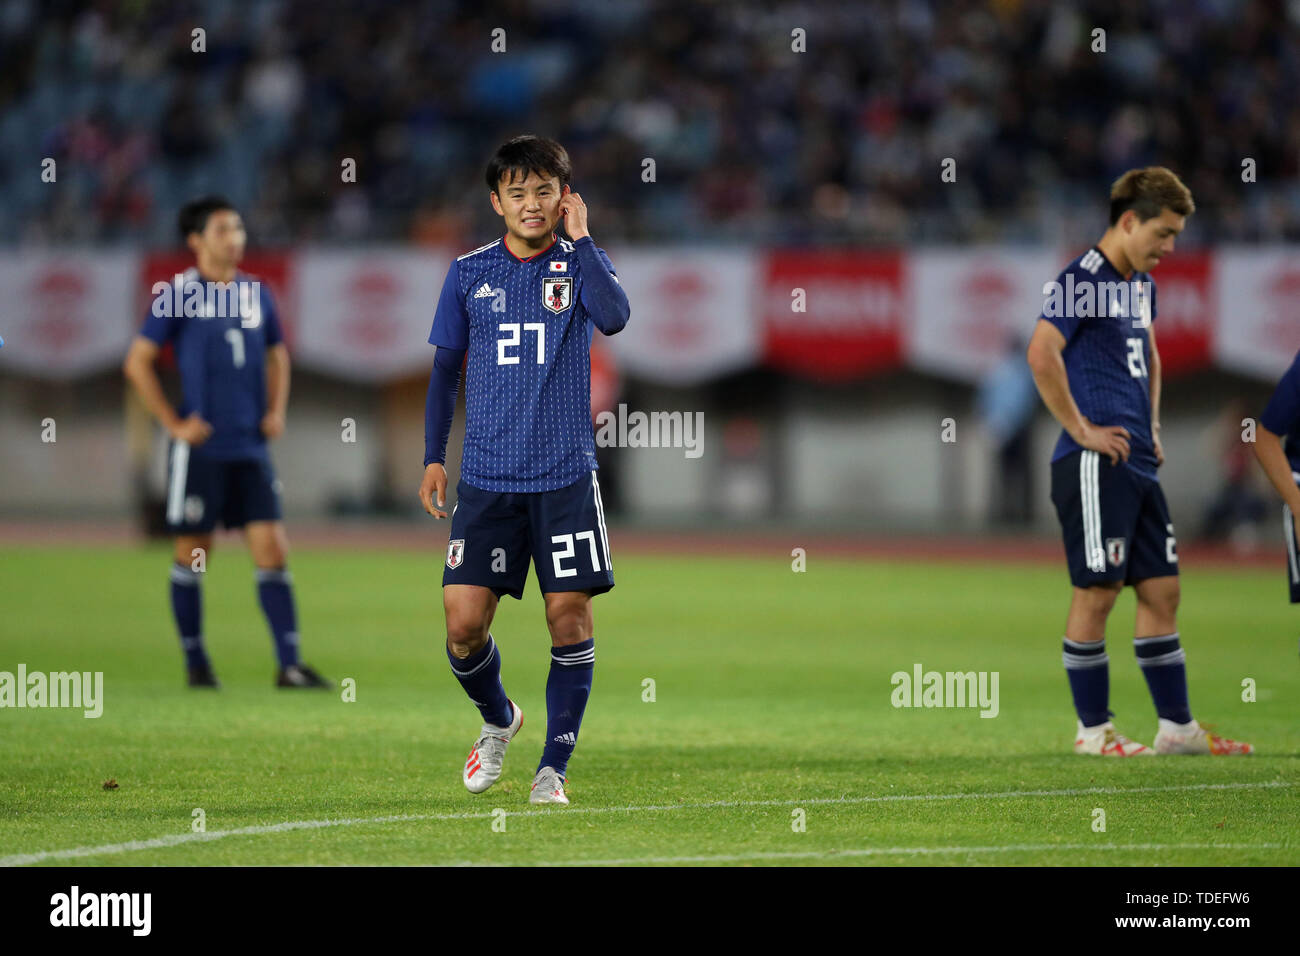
(559, 265)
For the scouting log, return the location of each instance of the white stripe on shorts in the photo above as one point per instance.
(176, 491)
(1094, 555)
(1288, 531)
(600, 518)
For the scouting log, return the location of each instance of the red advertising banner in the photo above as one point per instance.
(1185, 304)
(853, 304)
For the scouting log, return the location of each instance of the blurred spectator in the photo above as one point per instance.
(1237, 508)
(1006, 401)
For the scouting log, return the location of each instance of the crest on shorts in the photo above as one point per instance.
(193, 509)
(455, 552)
(557, 293)
(1115, 551)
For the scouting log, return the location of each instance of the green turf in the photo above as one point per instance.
(772, 695)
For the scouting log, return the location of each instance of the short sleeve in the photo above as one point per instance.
(1283, 410)
(159, 329)
(1057, 309)
(450, 323)
(271, 331)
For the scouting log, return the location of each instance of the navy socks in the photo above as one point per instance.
(1164, 665)
(275, 591)
(1088, 668)
(187, 609)
(480, 675)
(567, 688)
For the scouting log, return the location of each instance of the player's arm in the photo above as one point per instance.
(1281, 413)
(1268, 450)
(450, 335)
(439, 407)
(139, 371)
(1048, 366)
(277, 390)
(602, 296)
(1153, 373)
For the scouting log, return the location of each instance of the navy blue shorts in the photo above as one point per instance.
(201, 490)
(1292, 553)
(493, 534)
(1115, 522)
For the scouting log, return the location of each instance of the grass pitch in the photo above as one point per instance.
(771, 696)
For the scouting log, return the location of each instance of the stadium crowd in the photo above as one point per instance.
(750, 139)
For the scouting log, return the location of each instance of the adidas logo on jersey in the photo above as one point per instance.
(484, 292)
(570, 738)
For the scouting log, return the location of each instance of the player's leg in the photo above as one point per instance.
(189, 563)
(487, 556)
(268, 545)
(253, 503)
(1087, 665)
(568, 687)
(194, 499)
(1096, 505)
(474, 657)
(1292, 552)
(1159, 653)
(571, 554)
(1153, 570)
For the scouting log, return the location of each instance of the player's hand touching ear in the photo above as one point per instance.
(435, 482)
(573, 213)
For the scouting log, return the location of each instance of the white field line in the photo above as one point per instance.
(176, 839)
(896, 851)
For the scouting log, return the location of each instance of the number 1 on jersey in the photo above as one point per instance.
(236, 340)
(512, 339)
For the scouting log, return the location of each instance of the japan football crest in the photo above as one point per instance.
(557, 293)
(455, 552)
(1115, 551)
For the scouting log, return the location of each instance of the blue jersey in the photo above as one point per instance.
(527, 327)
(1106, 320)
(222, 359)
(1282, 414)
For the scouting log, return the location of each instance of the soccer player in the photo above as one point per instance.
(235, 388)
(1281, 418)
(1094, 358)
(524, 307)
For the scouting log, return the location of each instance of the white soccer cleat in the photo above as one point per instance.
(1195, 738)
(1106, 741)
(483, 765)
(548, 787)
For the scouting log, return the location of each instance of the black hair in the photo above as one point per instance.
(194, 215)
(525, 154)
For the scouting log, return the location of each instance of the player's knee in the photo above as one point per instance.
(272, 558)
(466, 633)
(569, 621)
(1097, 602)
(1163, 600)
(465, 641)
